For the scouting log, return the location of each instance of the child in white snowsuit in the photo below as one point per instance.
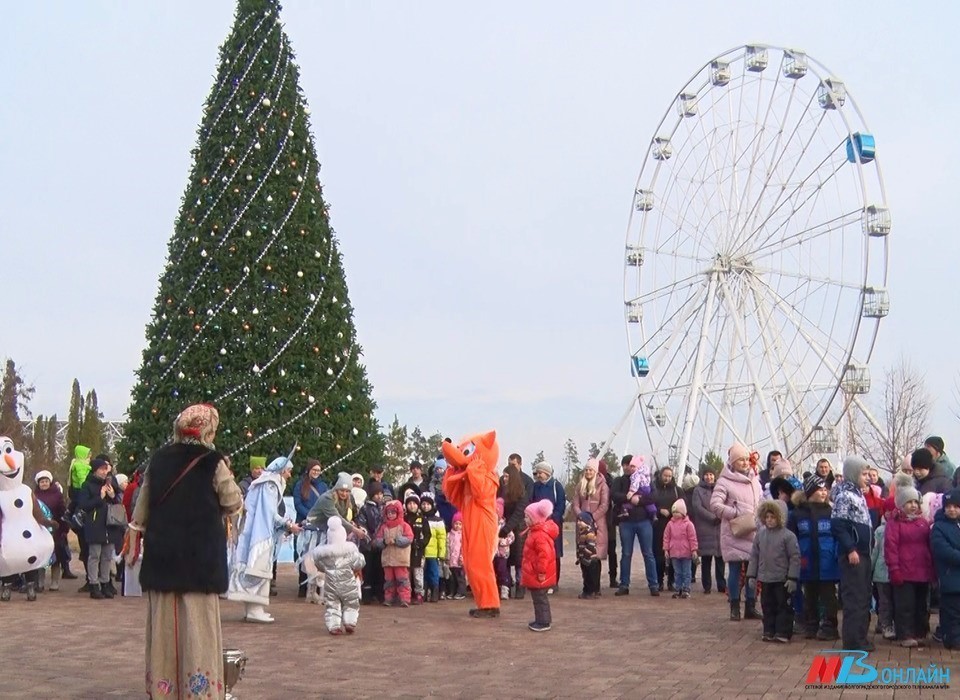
(341, 561)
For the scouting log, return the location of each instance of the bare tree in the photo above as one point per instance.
(903, 413)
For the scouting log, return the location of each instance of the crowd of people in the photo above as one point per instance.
(806, 544)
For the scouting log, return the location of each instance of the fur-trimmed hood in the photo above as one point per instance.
(778, 508)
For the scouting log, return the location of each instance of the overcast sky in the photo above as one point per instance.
(479, 161)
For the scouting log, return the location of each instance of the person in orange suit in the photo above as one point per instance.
(470, 484)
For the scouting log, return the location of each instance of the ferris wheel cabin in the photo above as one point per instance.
(856, 379)
(794, 64)
(634, 255)
(876, 302)
(640, 367)
(861, 147)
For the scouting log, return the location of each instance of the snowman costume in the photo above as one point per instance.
(25, 543)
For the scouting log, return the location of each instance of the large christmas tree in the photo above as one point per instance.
(253, 314)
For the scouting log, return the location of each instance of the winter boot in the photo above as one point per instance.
(521, 591)
(434, 594)
(55, 578)
(108, 590)
(256, 613)
(67, 574)
(42, 580)
(6, 592)
(750, 611)
(31, 592)
(504, 592)
(735, 610)
(95, 591)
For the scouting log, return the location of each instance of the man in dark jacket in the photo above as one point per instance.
(766, 475)
(929, 475)
(376, 477)
(635, 524)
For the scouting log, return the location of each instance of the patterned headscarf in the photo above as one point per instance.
(197, 423)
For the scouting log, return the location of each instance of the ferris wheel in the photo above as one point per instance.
(756, 259)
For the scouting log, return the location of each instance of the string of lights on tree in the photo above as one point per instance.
(252, 313)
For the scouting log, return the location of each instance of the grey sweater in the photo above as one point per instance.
(775, 557)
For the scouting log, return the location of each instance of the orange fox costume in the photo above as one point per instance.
(470, 483)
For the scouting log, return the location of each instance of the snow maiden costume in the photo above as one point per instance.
(340, 561)
(263, 526)
(25, 543)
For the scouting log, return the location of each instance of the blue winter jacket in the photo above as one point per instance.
(553, 492)
(810, 522)
(945, 543)
(303, 505)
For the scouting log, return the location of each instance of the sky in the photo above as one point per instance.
(479, 161)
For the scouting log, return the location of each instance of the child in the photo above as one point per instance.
(680, 545)
(639, 485)
(819, 572)
(436, 549)
(501, 565)
(587, 556)
(395, 538)
(369, 517)
(540, 560)
(775, 561)
(906, 548)
(852, 530)
(879, 570)
(342, 563)
(945, 544)
(458, 583)
(421, 536)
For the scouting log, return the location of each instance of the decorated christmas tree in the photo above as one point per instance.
(252, 313)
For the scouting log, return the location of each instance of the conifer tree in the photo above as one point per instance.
(15, 395)
(252, 313)
(74, 422)
(92, 428)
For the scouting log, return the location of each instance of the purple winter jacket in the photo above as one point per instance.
(906, 548)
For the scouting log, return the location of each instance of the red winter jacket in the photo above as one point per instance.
(906, 549)
(540, 556)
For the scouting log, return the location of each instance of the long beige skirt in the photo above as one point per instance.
(184, 646)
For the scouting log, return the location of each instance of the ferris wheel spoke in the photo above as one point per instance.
(781, 365)
(759, 142)
(802, 120)
(660, 292)
(806, 235)
(798, 188)
(680, 330)
(760, 271)
(780, 151)
(831, 353)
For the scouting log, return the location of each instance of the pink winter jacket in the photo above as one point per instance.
(906, 549)
(735, 494)
(455, 549)
(680, 538)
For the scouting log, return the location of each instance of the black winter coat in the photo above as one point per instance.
(94, 508)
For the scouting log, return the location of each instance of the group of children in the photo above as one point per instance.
(410, 558)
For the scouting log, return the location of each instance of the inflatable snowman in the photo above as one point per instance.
(25, 544)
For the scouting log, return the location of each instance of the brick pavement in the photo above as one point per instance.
(68, 646)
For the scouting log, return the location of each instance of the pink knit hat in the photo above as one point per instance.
(783, 468)
(593, 463)
(679, 506)
(539, 512)
(457, 517)
(736, 451)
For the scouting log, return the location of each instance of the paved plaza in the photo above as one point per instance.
(68, 646)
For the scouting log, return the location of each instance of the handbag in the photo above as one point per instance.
(743, 525)
(116, 515)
